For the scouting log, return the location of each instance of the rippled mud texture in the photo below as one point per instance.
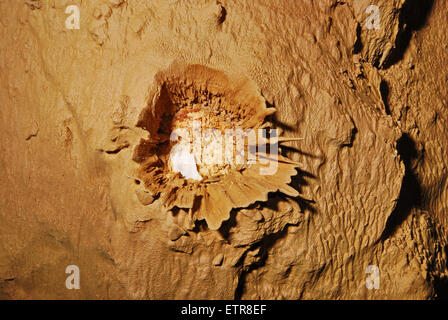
(371, 188)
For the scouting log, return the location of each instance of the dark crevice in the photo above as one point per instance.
(117, 150)
(411, 191)
(440, 284)
(384, 90)
(413, 17)
(440, 288)
(227, 225)
(32, 135)
(265, 244)
(358, 46)
(353, 133)
(269, 241)
(222, 15)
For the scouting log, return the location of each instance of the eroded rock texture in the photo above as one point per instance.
(371, 105)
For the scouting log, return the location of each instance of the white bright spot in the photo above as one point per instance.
(183, 161)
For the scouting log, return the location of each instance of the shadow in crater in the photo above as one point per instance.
(278, 124)
(413, 16)
(303, 153)
(265, 244)
(411, 191)
(298, 181)
(269, 240)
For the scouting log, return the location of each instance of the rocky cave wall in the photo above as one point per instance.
(371, 105)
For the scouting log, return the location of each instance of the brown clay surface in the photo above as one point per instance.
(371, 105)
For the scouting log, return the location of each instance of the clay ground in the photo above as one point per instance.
(370, 103)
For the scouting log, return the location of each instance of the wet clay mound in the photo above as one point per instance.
(100, 169)
(221, 119)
